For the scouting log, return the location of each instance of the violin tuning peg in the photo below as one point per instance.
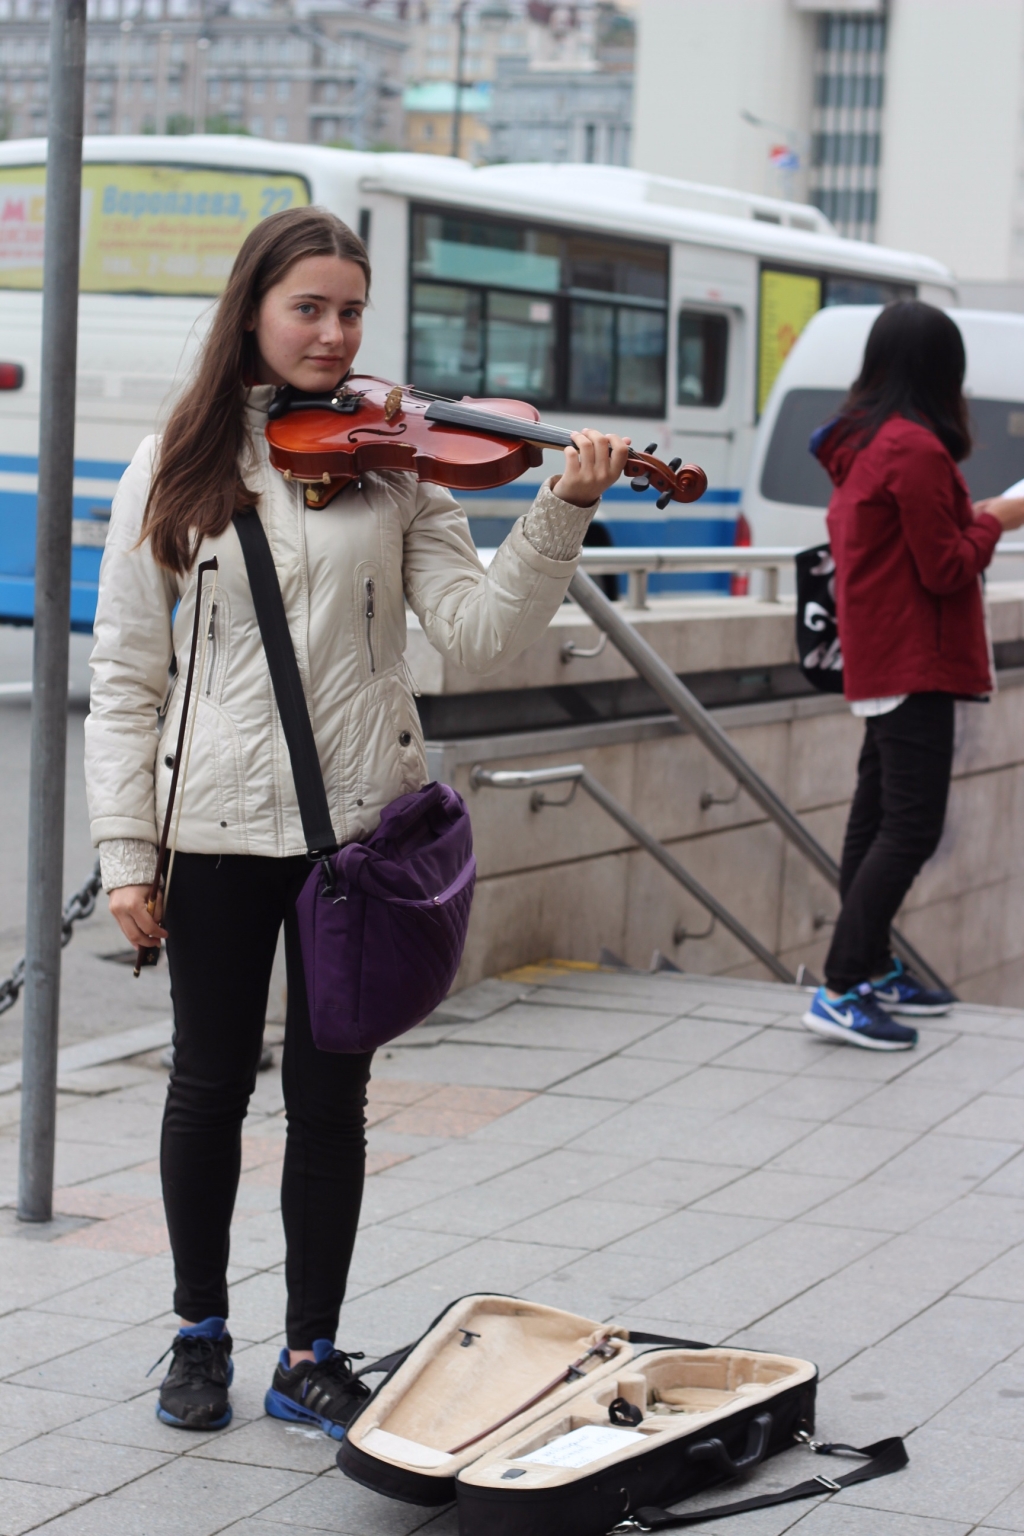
(640, 483)
(674, 464)
(664, 500)
(651, 448)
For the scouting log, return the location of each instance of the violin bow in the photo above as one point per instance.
(603, 1350)
(146, 955)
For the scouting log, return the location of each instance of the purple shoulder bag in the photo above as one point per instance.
(382, 923)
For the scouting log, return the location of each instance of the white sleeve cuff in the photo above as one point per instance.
(555, 527)
(127, 861)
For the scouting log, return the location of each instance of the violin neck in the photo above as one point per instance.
(453, 414)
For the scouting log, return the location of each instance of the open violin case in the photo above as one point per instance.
(537, 1422)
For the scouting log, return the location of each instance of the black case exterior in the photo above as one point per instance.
(662, 1476)
(395, 1482)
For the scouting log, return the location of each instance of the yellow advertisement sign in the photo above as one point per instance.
(156, 229)
(788, 300)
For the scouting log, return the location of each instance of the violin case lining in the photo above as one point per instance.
(485, 1354)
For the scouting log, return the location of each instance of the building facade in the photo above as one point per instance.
(554, 115)
(903, 120)
(300, 71)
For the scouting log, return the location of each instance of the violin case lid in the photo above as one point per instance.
(648, 1421)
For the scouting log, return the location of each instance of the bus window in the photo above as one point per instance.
(564, 319)
(791, 473)
(702, 350)
(152, 229)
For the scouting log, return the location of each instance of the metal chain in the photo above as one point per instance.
(81, 904)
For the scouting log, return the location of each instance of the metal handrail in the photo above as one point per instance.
(687, 708)
(638, 563)
(576, 774)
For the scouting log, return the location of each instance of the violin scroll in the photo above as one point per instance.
(674, 481)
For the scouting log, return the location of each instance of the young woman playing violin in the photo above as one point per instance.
(292, 313)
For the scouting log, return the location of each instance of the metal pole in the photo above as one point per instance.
(687, 708)
(52, 610)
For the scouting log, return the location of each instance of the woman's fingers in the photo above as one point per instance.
(128, 907)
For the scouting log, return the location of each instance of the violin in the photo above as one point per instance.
(325, 441)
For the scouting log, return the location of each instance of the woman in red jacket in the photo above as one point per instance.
(909, 550)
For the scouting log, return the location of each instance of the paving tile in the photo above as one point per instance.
(839, 1517)
(731, 1013)
(132, 1423)
(959, 1476)
(1009, 1514)
(1007, 1179)
(386, 1252)
(692, 1238)
(455, 1111)
(61, 1461)
(718, 1088)
(23, 1506)
(25, 1412)
(627, 1078)
(991, 1115)
(765, 1050)
(841, 1150)
(550, 1120)
(881, 1291)
(935, 1157)
(742, 1287)
(695, 1040)
(972, 1062)
(772, 1194)
(908, 1105)
(32, 1271)
(268, 1442)
(1003, 1279)
(334, 1503)
(28, 1338)
(923, 1371)
(668, 1182)
(651, 1130)
(811, 1098)
(453, 1166)
(884, 1205)
(115, 1368)
(194, 1483)
(489, 1066)
(584, 1223)
(979, 1216)
(547, 1028)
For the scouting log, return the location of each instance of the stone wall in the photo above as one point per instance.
(565, 881)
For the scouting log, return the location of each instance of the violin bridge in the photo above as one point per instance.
(393, 403)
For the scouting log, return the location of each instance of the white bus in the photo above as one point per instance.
(607, 297)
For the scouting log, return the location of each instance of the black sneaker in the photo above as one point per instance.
(322, 1391)
(194, 1393)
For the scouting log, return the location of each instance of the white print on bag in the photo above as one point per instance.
(825, 658)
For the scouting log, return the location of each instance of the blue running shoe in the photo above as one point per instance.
(194, 1393)
(324, 1391)
(857, 1018)
(901, 992)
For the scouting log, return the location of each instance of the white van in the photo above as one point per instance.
(787, 491)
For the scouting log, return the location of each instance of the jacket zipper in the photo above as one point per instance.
(371, 609)
(211, 638)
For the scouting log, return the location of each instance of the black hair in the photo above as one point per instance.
(914, 365)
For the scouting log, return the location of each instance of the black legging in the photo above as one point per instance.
(895, 824)
(224, 917)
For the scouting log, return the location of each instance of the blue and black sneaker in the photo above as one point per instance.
(857, 1019)
(323, 1391)
(194, 1393)
(900, 992)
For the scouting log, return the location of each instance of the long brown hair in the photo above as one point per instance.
(189, 496)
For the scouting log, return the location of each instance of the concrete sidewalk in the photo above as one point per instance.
(663, 1150)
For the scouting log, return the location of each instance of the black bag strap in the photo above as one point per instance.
(880, 1460)
(284, 675)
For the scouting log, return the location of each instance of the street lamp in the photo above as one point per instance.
(460, 61)
(199, 86)
(123, 74)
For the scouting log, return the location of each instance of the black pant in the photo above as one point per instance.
(895, 824)
(224, 917)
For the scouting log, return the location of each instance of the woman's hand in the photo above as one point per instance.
(1007, 510)
(140, 928)
(595, 463)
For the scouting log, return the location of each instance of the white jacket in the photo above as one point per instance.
(345, 573)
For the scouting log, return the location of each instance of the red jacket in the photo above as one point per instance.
(908, 554)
